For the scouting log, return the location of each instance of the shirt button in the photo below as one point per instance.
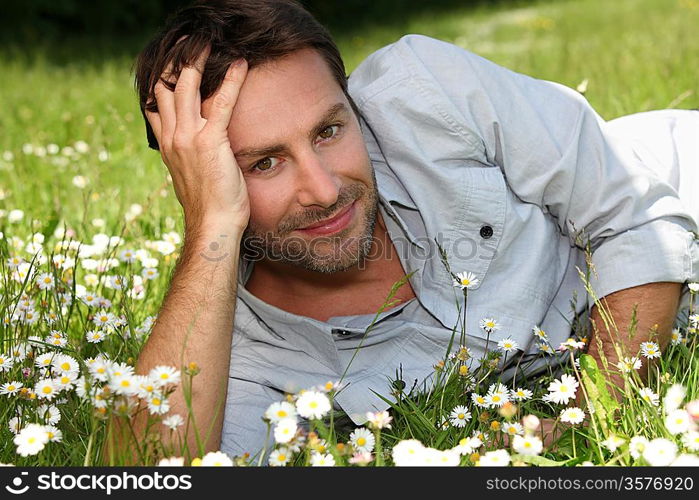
(340, 331)
(486, 232)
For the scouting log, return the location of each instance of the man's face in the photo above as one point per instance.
(303, 157)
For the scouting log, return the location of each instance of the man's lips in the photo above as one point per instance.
(337, 220)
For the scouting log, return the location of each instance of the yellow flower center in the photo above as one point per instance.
(65, 366)
(361, 441)
(31, 440)
(155, 401)
(313, 404)
(461, 416)
(281, 414)
(281, 457)
(47, 389)
(125, 383)
(11, 388)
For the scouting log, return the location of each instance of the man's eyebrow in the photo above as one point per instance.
(332, 114)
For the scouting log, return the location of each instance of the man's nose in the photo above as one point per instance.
(317, 183)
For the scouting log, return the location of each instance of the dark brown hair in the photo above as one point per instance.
(257, 30)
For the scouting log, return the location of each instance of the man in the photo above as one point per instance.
(337, 192)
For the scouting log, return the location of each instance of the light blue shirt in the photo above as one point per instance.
(510, 174)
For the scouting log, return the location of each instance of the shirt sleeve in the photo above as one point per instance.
(554, 152)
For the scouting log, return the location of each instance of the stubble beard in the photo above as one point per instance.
(323, 254)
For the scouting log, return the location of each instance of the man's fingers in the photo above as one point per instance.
(223, 101)
(166, 108)
(187, 96)
(154, 121)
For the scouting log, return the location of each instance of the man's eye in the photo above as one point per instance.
(328, 132)
(265, 164)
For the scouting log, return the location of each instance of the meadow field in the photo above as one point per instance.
(91, 231)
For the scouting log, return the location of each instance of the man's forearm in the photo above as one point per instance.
(195, 325)
(656, 308)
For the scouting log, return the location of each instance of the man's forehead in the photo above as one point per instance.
(289, 93)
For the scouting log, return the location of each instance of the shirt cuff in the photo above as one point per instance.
(660, 250)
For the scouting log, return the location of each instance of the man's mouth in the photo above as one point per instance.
(333, 224)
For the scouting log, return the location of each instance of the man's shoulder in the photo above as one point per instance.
(393, 63)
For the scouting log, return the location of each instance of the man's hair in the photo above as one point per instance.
(257, 30)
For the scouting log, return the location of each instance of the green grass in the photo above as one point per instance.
(636, 55)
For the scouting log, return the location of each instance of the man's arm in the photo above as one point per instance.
(196, 319)
(656, 308)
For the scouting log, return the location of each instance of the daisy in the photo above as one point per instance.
(173, 421)
(379, 419)
(520, 394)
(489, 325)
(545, 348)
(31, 440)
(508, 345)
(322, 460)
(312, 404)
(6, 363)
(15, 425)
(171, 462)
(408, 452)
(362, 440)
(691, 440)
(280, 410)
(650, 350)
(103, 319)
(44, 360)
(563, 390)
(45, 281)
(216, 459)
(95, 336)
(91, 300)
(540, 334)
(693, 287)
(648, 396)
(124, 384)
(360, 458)
(497, 458)
(467, 445)
(530, 445)
(571, 344)
(162, 375)
(158, 405)
(99, 370)
(54, 434)
(65, 364)
(279, 457)
(676, 336)
(678, 421)
(660, 452)
(466, 280)
(56, 340)
(674, 397)
(11, 388)
(479, 400)
(531, 422)
(285, 430)
(45, 389)
(686, 460)
(496, 399)
(149, 273)
(512, 428)
(612, 443)
(637, 445)
(627, 365)
(459, 416)
(572, 415)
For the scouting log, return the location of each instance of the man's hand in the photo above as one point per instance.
(656, 310)
(196, 150)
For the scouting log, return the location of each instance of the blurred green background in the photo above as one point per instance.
(66, 79)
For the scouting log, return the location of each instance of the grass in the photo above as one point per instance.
(635, 54)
